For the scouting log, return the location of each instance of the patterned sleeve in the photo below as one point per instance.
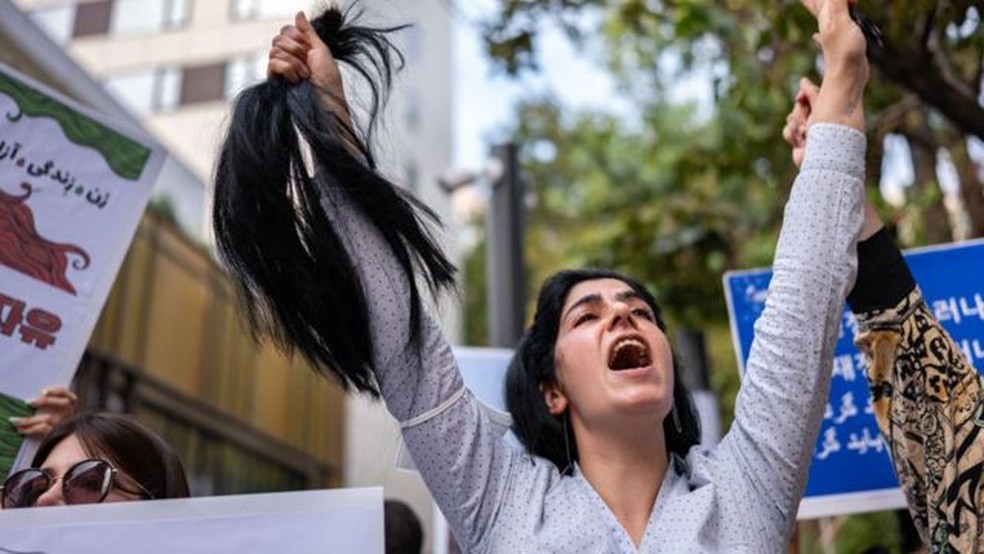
(927, 400)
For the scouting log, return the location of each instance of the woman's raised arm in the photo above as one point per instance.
(787, 377)
(328, 254)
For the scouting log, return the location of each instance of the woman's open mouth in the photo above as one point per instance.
(628, 353)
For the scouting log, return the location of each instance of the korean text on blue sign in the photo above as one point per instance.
(850, 454)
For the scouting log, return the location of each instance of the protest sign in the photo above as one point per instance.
(340, 520)
(72, 189)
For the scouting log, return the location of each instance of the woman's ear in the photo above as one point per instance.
(555, 400)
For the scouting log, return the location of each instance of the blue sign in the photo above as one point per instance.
(850, 455)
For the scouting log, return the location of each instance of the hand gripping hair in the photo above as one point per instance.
(287, 258)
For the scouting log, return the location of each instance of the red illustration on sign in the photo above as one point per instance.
(24, 250)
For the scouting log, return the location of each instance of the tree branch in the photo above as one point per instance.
(940, 60)
(892, 118)
(951, 97)
(929, 24)
(978, 81)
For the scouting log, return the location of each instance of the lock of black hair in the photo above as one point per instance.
(298, 284)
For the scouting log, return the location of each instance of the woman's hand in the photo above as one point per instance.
(54, 405)
(797, 124)
(298, 53)
(841, 95)
(798, 120)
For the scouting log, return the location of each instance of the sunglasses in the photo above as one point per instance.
(86, 482)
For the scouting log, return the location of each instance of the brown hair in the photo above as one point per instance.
(128, 446)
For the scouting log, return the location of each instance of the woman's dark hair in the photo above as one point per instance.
(533, 365)
(128, 446)
(287, 258)
(403, 532)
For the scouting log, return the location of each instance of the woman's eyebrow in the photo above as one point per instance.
(593, 298)
(630, 295)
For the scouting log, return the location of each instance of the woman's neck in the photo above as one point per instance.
(626, 469)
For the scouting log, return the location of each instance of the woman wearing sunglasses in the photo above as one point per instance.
(93, 458)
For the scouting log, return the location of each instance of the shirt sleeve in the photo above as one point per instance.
(787, 376)
(457, 450)
(927, 400)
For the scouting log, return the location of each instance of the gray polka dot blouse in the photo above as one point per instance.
(740, 496)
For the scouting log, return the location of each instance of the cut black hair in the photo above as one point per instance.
(298, 284)
(540, 432)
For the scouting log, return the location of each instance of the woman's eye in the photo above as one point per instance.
(644, 313)
(587, 316)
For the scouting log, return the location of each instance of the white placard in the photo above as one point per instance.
(323, 521)
(72, 189)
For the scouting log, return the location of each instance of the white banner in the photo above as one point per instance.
(340, 520)
(72, 189)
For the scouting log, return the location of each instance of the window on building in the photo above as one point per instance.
(177, 14)
(149, 90)
(148, 16)
(164, 88)
(92, 18)
(203, 83)
(262, 9)
(243, 71)
(57, 23)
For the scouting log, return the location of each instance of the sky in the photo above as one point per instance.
(484, 101)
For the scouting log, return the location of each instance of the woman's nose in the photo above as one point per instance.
(52, 496)
(621, 315)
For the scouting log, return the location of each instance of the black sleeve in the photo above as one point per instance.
(884, 278)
